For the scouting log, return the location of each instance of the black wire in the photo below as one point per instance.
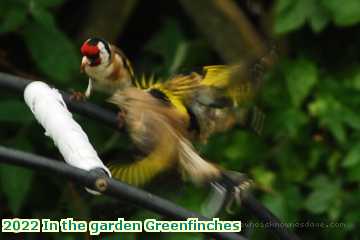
(113, 188)
(261, 212)
(18, 84)
(269, 219)
(90, 110)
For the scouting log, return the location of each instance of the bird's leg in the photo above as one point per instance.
(77, 96)
(120, 117)
(80, 96)
(238, 185)
(228, 190)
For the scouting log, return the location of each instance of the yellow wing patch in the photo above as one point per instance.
(234, 80)
(173, 89)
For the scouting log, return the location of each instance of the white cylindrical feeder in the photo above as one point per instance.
(50, 110)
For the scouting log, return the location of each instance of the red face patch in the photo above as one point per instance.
(89, 50)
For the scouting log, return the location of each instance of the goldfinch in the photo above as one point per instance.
(160, 131)
(164, 117)
(106, 65)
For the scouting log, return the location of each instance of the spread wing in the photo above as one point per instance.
(159, 131)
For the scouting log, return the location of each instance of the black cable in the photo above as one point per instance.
(257, 209)
(261, 212)
(111, 187)
(90, 110)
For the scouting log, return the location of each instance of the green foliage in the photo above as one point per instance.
(169, 43)
(14, 112)
(301, 76)
(52, 51)
(324, 194)
(61, 63)
(15, 184)
(293, 14)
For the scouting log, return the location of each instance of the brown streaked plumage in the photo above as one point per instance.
(160, 132)
(162, 117)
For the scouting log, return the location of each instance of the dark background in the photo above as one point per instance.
(306, 164)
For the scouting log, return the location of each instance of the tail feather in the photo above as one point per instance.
(142, 171)
(194, 166)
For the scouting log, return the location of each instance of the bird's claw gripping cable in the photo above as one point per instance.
(227, 193)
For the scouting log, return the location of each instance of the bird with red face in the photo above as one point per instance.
(163, 118)
(106, 65)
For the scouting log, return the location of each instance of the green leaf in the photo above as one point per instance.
(301, 75)
(54, 54)
(14, 111)
(276, 204)
(169, 43)
(286, 204)
(291, 14)
(338, 130)
(12, 19)
(323, 195)
(345, 13)
(15, 183)
(48, 3)
(353, 173)
(332, 114)
(290, 121)
(353, 157)
(239, 147)
(263, 177)
(42, 16)
(351, 118)
(319, 18)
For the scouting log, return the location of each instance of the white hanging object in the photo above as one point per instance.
(51, 112)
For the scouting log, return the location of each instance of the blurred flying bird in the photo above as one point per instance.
(164, 118)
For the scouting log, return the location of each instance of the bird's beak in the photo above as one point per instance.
(84, 62)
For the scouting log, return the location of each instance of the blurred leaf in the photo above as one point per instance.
(286, 204)
(15, 183)
(239, 148)
(353, 173)
(170, 44)
(289, 122)
(332, 114)
(301, 76)
(351, 118)
(323, 195)
(320, 17)
(276, 204)
(42, 16)
(189, 199)
(12, 19)
(345, 13)
(53, 52)
(48, 3)
(333, 162)
(291, 14)
(293, 202)
(263, 177)
(14, 111)
(353, 157)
